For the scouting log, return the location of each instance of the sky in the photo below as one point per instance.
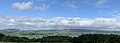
(60, 14)
(60, 8)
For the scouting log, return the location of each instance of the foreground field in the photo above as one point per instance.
(19, 42)
(34, 42)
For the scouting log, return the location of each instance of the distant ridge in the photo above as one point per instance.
(92, 31)
(64, 30)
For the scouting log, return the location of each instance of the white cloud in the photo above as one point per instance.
(61, 23)
(116, 15)
(23, 5)
(43, 7)
(70, 4)
(101, 4)
(28, 6)
(11, 20)
(28, 23)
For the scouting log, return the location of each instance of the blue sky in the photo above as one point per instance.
(61, 8)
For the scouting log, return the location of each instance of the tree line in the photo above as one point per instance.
(85, 38)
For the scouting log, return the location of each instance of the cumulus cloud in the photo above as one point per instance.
(60, 23)
(23, 5)
(26, 6)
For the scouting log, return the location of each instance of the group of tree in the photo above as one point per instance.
(97, 38)
(85, 38)
(5, 38)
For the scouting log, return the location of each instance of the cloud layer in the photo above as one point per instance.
(59, 23)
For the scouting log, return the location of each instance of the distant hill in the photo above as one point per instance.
(94, 31)
(9, 30)
(65, 30)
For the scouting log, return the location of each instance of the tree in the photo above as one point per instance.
(1, 36)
